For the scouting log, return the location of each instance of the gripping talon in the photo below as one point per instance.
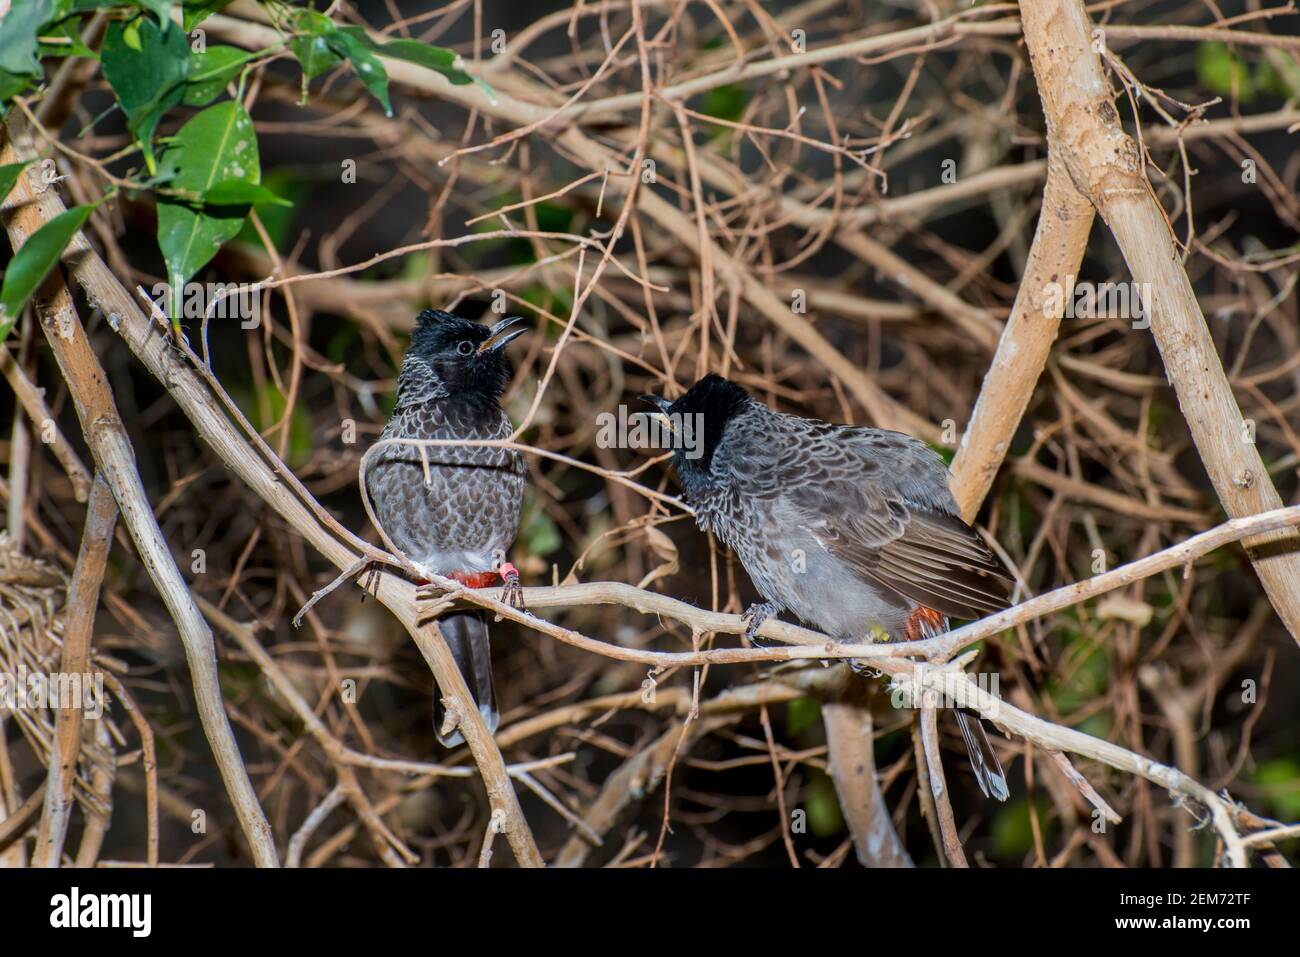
(757, 614)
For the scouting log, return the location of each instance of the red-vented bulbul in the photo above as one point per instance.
(456, 510)
(852, 529)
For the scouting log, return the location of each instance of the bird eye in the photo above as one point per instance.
(465, 348)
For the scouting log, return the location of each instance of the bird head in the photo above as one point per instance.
(449, 355)
(699, 419)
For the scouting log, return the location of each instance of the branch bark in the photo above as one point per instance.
(1059, 242)
(929, 731)
(850, 746)
(78, 626)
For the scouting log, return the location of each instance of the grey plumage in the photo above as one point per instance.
(852, 529)
(455, 509)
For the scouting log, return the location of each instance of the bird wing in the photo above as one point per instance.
(880, 502)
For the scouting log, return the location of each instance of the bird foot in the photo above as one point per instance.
(363, 566)
(756, 615)
(426, 590)
(512, 592)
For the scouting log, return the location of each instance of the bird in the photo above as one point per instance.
(454, 510)
(852, 529)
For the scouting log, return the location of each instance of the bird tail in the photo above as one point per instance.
(466, 633)
(988, 769)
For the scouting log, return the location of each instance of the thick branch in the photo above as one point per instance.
(78, 626)
(850, 749)
(1064, 222)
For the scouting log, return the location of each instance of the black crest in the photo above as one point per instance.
(465, 357)
(704, 410)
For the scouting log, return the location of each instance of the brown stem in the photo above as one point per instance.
(78, 627)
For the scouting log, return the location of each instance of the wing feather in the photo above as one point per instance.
(880, 502)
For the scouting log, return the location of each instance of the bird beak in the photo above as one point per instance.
(662, 406)
(498, 338)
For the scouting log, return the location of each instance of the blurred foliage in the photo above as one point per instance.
(209, 174)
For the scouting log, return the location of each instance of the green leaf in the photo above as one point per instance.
(216, 146)
(161, 9)
(211, 70)
(8, 176)
(33, 262)
(1279, 782)
(75, 45)
(322, 43)
(314, 55)
(1223, 73)
(265, 406)
(147, 66)
(539, 532)
(825, 819)
(801, 714)
(195, 12)
(11, 84)
(314, 23)
(440, 59)
(22, 24)
(238, 192)
(367, 66)
(1281, 77)
(1012, 833)
(276, 219)
(726, 102)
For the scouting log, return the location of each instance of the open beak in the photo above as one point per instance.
(498, 337)
(662, 406)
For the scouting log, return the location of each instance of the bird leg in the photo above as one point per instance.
(756, 615)
(369, 566)
(512, 593)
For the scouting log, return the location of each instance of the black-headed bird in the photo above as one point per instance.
(852, 529)
(454, 509)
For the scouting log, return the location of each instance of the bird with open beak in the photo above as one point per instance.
(454, 509)
(852, 529)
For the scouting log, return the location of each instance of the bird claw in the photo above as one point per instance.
(512, 592)
(756, 615)
(427, 591)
